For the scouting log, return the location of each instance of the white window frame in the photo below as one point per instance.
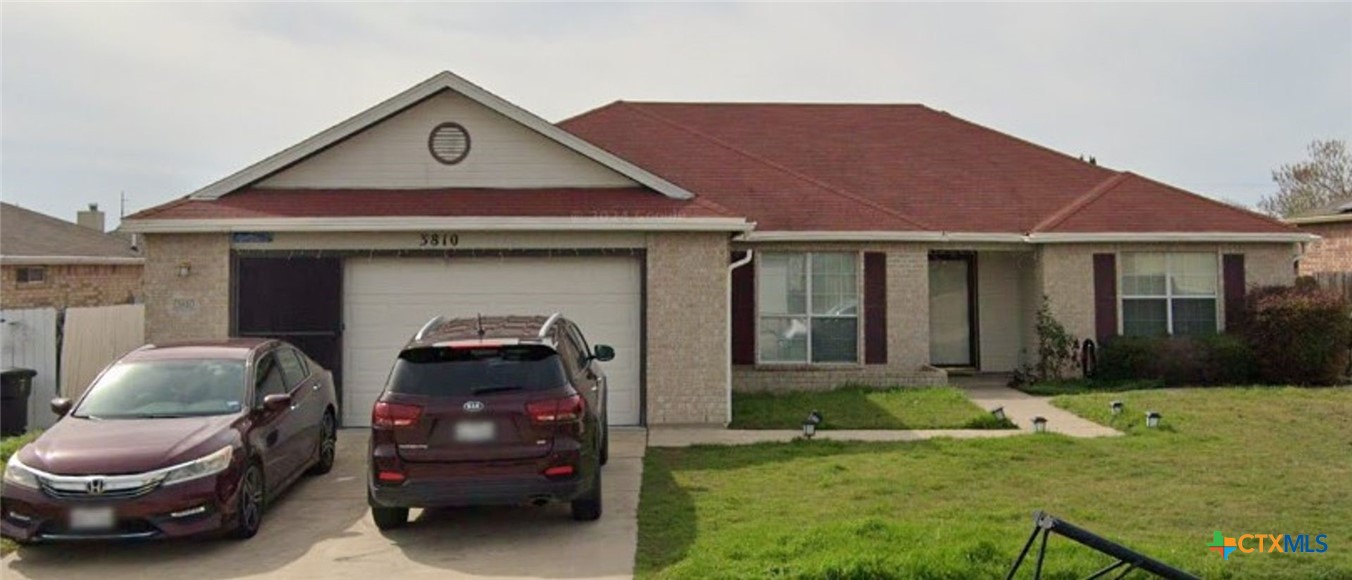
(807, 272)
(42, 275)
(1168, 295)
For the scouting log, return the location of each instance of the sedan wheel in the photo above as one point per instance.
(250, 503)
(328, 446)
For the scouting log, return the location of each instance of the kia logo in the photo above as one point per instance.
(94, 486)
(473, 407)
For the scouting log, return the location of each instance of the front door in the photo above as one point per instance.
(952, 302)
(298, 300)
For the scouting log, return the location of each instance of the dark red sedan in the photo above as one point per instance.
(174, 441)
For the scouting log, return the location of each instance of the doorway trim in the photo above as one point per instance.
(973, 309)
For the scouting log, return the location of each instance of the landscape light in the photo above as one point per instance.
(1039, 424)
(999, 413)
(1152, 419)
(1117, 407)
(810, 424)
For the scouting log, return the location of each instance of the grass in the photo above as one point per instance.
(1081, 386)
(9, 446)
(863, 408)
(1241, 461)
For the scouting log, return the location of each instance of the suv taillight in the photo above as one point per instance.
(565, 410)
(393, 415)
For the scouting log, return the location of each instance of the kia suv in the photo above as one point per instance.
(501, 410)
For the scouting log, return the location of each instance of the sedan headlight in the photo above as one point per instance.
(19, 474)
(209, 465)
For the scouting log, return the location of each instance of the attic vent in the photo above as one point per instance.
(449, 143)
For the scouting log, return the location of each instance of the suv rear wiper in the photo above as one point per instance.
(486, 390)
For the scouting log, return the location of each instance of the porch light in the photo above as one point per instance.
(999, 413)
(1117, 407)
(184, 269)
(1152, 419)
(1039, 424)
(810, 424)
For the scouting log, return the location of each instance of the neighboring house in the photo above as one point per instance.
(1333, 251)
(52, 263)
(887, 244)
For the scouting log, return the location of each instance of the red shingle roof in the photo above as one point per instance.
(830, 167)
(295, 203)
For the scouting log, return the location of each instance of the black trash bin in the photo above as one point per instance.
(15, 386)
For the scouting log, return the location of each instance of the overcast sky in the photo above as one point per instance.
(159, 100)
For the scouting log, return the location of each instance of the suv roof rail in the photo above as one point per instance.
(549, 323)
(427, 327)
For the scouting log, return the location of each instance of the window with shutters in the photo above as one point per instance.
(1169, 293)
(808, 308)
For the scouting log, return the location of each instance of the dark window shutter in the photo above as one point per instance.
(875, 308)
(1105, 295)
(1232, 267)
(744, 314)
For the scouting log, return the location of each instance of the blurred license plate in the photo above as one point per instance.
(91, 518)
(474, 431)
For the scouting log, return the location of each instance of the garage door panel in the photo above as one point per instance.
(388, 299)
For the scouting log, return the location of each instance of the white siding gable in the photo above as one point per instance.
(393, 154)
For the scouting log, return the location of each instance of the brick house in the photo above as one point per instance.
(51, 263)
(1333, 251)
(717, 247)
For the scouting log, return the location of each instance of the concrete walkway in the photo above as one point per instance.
(990, 392)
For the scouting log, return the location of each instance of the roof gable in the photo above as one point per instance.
(565, 160)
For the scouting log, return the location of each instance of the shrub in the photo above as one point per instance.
(1299, 335)
(1222, 359)
(1056, 350)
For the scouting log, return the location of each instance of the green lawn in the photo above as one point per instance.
(863, 408)
(1083, 386)
(1236, 460)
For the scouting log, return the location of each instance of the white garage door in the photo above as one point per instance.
(386, 301)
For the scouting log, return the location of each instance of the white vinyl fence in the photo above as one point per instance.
(28, 339)
(91, 338)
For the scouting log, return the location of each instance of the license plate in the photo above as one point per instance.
(474, 431)
(91, 518)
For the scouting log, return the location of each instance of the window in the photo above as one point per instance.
(32, 275)
(293, 370)
(809, 308)
(268, 378)
(1172, 294)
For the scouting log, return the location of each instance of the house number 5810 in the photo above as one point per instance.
(438, 240)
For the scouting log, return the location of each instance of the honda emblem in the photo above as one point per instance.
(94, 486)
(473, 406)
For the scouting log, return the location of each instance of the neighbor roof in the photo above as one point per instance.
(1338, 211)
(824, 167)
(27, 236)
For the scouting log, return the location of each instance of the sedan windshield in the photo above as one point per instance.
(166, 388)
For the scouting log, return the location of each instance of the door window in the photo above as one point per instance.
(293, 369)
(268, 379)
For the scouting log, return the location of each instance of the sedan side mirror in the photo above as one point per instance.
(276, 402)
(61, 406)
(603, 352)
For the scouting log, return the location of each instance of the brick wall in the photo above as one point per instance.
(192, 307)
(72, 285)
(1333, 253)
(1065, 273)
(687, 278)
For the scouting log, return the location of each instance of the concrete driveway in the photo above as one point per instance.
(321, 528)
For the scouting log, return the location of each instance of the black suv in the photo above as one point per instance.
(490, 410)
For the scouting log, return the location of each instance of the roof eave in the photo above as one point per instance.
(1034, 238)
(393, 224)
(1319, 219)
(70, 261)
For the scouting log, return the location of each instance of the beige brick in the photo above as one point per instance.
(72, 285)
(193, 307)
(687, 356)
(1333, 253)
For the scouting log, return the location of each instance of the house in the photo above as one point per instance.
(51, 263)
(714, 246)
(1333, 251)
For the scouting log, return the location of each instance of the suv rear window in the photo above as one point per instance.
(439, 371)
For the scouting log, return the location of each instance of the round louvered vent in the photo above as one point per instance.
(449, 143)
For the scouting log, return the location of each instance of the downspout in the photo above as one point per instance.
(728, 388)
